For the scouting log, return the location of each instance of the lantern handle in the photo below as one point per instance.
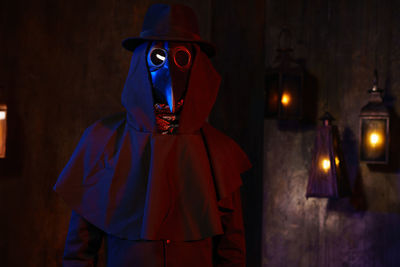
(375, 83)
(327, 119)
(285, 31)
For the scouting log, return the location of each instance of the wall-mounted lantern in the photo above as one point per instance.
(3, 130)
(284, 84)
(374, 128)
(327, 173)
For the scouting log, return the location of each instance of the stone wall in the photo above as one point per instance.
(340, 42)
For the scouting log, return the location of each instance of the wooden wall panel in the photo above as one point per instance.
(238, 32)
(62, 68)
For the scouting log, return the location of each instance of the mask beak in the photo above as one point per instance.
(170, 98)
(168, 78)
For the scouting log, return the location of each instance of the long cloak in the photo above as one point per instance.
(136, 184)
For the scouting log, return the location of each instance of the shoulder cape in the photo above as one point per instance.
(116, 181)
(136, 184)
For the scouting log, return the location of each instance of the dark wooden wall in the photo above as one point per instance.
(62, 67)
(341, 43)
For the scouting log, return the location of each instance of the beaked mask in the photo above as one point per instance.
(169, 64)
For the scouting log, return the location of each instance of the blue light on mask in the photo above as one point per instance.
(169, 64)
(159, 67)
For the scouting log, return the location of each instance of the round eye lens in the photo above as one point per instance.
(158, 57)
(182, 58)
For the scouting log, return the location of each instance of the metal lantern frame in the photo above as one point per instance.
(327, 177)
(374, 110)
(285, 72)
(3, 130)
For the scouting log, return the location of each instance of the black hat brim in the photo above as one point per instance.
(132, 42)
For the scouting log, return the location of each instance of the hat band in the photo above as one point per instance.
(172, 34)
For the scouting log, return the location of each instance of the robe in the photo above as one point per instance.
(154, 198)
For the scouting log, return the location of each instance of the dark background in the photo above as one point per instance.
(62, 68)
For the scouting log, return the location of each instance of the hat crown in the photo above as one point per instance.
(175, 23)
(170, 21)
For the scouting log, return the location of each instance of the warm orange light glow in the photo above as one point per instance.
(3, 130)
(285, 100)
(375, 139)
(325, 164)
(337, 161)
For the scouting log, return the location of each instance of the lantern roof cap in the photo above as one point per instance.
(327, 117)
(374, 108)
(375, 89)
(375, 105)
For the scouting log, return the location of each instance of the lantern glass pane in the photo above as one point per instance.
(373, 139)
(323, 180)
(290, 102)
(272, 95)
(3, 132)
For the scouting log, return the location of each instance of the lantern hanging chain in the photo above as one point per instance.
(326, 104)
(375, 82)
(285, 12)
(376, 34)
(284, 29)
(336, 61)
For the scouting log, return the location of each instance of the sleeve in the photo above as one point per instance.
(82, 244)
(230, 248)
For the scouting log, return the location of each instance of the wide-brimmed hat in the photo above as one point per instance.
(170, 23)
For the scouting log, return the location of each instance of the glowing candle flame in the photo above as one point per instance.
(285, 100)
(325, 164)
(374, 139)
(337, 161)
(3, 114)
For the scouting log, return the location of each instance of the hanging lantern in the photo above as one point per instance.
(284, 84)
(374, 128)
(3, 130)
(327, 177)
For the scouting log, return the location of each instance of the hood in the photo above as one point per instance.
(137, 185)
(137, 97)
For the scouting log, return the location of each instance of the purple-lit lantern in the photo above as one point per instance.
(3, 130)
(374, 128)
(284, 85)
(327, 173)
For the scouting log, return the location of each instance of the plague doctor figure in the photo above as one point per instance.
(158, 184)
